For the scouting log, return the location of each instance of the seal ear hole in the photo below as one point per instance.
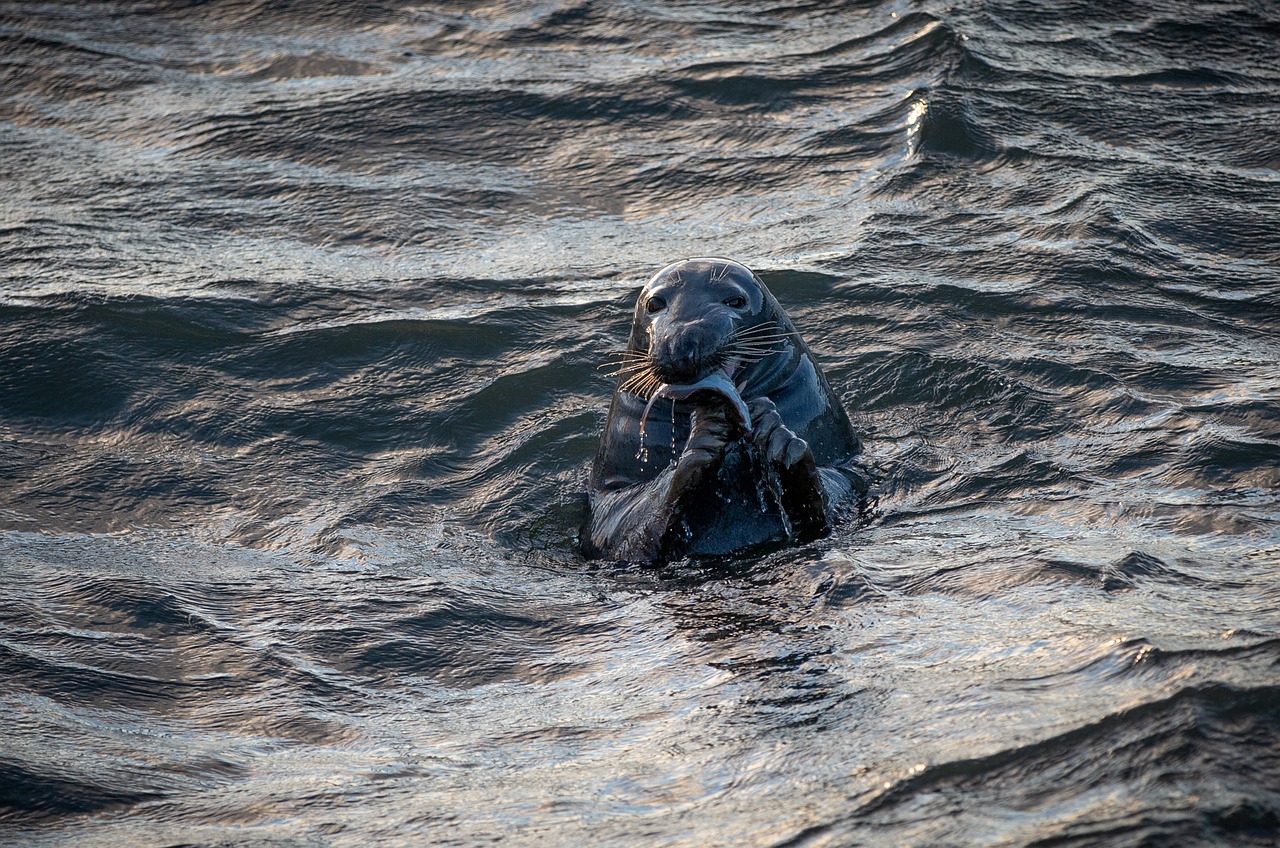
(736, 302)
(655, 304)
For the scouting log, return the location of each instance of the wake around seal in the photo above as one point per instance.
(722, 434)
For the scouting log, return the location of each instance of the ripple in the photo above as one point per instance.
(298, 392)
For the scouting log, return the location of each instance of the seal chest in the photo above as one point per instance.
(722, 434)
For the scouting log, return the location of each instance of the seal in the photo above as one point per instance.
(723, 434)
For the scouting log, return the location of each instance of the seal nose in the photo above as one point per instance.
(680, 353)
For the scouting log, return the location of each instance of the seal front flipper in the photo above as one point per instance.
(646, 522)
(800, 486)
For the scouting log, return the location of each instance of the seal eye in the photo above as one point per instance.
(736, 302)
(655, 304)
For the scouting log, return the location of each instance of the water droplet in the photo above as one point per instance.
(673, 429)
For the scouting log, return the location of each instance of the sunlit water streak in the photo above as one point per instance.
(302, 309)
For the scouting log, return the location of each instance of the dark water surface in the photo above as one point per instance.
(300, 312)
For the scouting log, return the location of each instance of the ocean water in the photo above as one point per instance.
(301, 308)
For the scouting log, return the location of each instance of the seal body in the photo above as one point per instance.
(723, 434)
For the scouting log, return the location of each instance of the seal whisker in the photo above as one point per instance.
(643, 382)
(635, 376)
(759, 340)
(759, 343)
(623, 369)
(624, 359)
(762, 336)
(772, 340)
(646, 387)
(761, 327)
(627, 356)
